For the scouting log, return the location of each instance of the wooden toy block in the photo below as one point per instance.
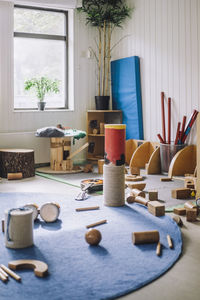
(178, 220)
(158, 249)
(11, 273)
(88, 168)
(153, 195)
(101, 128)
(87, 208)
(64, 167)
(14, 176)
(100, 166)
(169, 240)
(96, 224)
(130, 199)
(139, 186)
(180, 211)
(191, 215)
(135, 170)
(57, 166)
(69, 164)
(188, 183)
(190, 205)
(40, 268)
(165, 179)
(141, 200)
(181, 193)
(136, 192)
(156, 208)
(133, 178)
(144, 237)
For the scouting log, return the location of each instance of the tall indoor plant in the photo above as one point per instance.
(105, 16)
(42, 86)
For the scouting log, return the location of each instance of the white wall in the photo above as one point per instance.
(165, 34)
(26, 123)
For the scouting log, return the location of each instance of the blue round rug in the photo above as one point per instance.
(77, 270)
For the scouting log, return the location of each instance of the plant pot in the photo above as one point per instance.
(41, 105)
(102, 102)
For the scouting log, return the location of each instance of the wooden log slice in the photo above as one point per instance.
(17, 161)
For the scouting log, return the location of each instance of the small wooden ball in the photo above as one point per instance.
(93, 237)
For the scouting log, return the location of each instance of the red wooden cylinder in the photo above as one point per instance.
(115, 136)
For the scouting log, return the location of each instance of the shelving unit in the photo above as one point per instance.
(96, 141)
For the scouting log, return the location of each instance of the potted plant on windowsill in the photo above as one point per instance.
(105, 16)
(42, 86)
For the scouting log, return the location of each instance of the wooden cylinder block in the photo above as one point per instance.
(100, 166)
(101, 128)
(144, 237)
(13, 176)
(113, 185)
(141, 200)
(19, 229)
(17, 161)
(130, 199)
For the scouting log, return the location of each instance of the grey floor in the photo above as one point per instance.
(182, 281)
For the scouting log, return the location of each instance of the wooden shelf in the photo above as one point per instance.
(92, 134)
(97, 140)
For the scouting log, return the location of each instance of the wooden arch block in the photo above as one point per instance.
(40, 268)
(142, 154)
(154, 164)
(183, 162)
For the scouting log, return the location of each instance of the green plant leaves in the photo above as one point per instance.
(42, 86)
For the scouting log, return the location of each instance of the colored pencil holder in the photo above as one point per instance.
(167, 152)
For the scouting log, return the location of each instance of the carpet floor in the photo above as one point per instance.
(77, 270)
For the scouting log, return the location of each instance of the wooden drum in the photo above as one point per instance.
(49, 212)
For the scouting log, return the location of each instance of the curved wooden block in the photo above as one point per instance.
(40, 268)
(142, 154)
(154, 165)
(183, 162)
(131, 146)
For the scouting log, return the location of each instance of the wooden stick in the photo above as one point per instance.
(189, 125)
(79, 150)
(3, 278)
(169, 120)
(87, 208)
(163, 116)
(2, 225)
(177, 133)
(4, 273)
(11, 273)
(169, 240)
(158, 249)
(183, 127)
(161, 139)
(96, 224)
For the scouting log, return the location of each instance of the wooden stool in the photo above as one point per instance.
(17, 161)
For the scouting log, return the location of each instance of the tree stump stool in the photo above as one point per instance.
(17, 161)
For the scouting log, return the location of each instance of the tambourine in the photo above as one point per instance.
(35, 210)
(49, 212)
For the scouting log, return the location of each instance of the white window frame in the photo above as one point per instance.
(68, 91)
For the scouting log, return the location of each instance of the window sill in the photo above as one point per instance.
(41, 111)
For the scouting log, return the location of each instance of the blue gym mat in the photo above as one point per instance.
(126, 94)
(77, 270)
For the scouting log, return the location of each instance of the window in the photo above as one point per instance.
(40, 50)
